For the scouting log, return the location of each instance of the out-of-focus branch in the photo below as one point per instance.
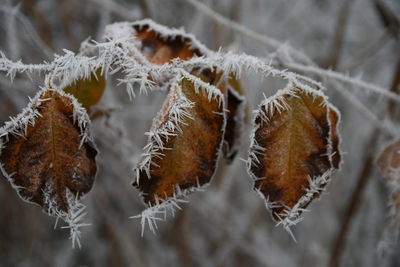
(394, 88)
(146, 11)
(354, 203)
(389, 18)
(362, 180)
(118, 10)
(271, 43)
(42, 25)
(370, 49)
(344, 79)
(340, 32)
(30, 30)
(385, 126)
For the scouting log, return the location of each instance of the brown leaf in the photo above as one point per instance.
(389, 162)
(294, 150)
(184, 143)
(160, 48)
(88, 91)
(235, 118)
(43, 154)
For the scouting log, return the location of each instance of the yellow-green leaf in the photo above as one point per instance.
(88, 91)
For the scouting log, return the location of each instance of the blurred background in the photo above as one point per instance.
(227, 224)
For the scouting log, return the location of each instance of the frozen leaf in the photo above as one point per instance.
(184, 141)
(47, 154)
(235, 118)
(160, 45)
(88, 91)
(294, 150)
(161, 51)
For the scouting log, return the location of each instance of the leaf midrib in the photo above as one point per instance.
(52, 130)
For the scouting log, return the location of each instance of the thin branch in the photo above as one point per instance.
(386, 126)
(308, 67)
(345, 79)
(354, 202)
(144, 5)
(368, 51)
(395, 89)
(271, 43)
(30, 30)
(118, 10)
(339, 35)
(362, 182)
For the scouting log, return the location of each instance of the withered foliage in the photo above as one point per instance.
(89, 91)
(188, 158)
(160, 49)
(235, 118)
(295, 147)
(49, 158)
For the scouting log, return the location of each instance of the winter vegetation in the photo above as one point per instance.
(204, 133)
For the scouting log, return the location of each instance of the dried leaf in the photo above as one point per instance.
(235, 118)
(161, 47)
(88, 91)
(294, 150)
(184, 142)
(47, 154)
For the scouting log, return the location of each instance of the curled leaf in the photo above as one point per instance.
(160, 44)
(294, 150)
(47, 153)
(183, 144)
(235, 118)
(88, 92)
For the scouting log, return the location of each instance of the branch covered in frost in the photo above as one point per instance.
(268, 41)
(337, 76)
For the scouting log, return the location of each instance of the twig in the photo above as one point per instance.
(388, 127)
(392, 108)
(116, 9)
(340, 31)
(345, 79)
(273, 44)
(362, 182)
(354, 203)
(144, 5)
(370, 49)
(388, 17)
(30, 30)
